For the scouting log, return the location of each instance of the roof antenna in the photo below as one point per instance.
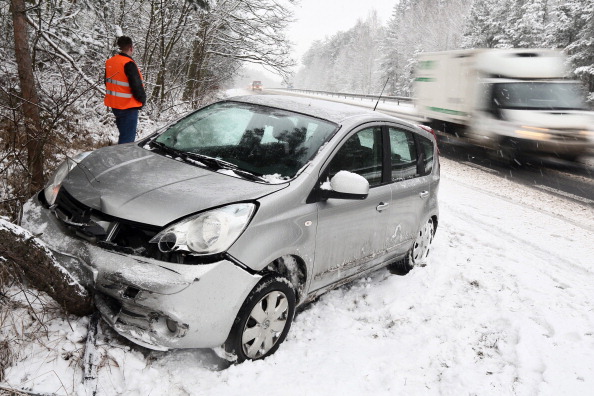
(380, 96)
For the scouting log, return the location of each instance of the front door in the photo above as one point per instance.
(351, 234)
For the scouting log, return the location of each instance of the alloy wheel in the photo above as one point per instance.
(420, 249)
(265, 324)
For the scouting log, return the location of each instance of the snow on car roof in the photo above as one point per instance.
(331, 111)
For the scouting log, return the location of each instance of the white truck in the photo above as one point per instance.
(517, 101)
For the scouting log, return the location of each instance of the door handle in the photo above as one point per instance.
(424, 194)
(381, 206)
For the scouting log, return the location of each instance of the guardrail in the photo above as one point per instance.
(396, 99)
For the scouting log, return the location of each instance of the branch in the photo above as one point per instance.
(62, 54)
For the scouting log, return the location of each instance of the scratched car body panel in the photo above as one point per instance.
(211, 231)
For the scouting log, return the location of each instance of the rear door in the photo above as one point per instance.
(410, 190)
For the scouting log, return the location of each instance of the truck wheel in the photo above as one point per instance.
(509, 153)
(263, 321)
(569, 157)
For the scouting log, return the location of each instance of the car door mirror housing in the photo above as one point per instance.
(346, 185)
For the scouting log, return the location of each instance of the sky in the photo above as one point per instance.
(316, 20)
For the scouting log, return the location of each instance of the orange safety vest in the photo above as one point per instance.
(118, 93)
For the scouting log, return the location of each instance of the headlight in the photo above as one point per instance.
(206, 233)
(55, 182)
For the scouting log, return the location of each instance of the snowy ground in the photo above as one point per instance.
(505, 306)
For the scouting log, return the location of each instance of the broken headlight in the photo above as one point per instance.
(55, 182)
(208, 232)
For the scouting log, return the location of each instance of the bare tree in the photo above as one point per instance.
(52, 91)
(34, 139)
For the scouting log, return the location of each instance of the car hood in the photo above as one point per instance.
(129, 182)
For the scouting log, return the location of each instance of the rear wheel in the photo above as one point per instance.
(263, 321)
(417, 256)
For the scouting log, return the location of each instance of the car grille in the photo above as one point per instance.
(114, 233)
(70, 207)
(97, 227)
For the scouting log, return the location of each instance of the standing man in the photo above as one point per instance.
(124, 90)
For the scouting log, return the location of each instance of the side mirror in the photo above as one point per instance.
(346, 185)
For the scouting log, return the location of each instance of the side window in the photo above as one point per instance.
(360, 154)
(403, 154)
(427, 150)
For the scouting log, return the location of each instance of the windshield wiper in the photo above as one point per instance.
(222, 164)
(192, 158)
(248, 175)
(211, 162)
(167, 149)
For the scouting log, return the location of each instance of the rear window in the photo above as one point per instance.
(403, 154)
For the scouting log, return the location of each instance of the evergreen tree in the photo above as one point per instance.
(567, 25)
(572, 28)
(345, 62)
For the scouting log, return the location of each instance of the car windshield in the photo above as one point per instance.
(539, 96)
(261, 140)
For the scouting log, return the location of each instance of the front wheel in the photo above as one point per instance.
(417, 256)
(263, 321)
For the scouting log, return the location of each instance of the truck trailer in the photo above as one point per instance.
(516, 101)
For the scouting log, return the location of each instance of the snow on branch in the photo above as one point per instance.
(64, 55)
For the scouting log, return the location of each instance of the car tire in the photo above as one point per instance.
(263, 320)
(417, 255)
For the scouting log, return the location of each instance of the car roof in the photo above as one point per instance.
(324, 109)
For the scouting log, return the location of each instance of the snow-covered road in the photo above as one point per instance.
(505, 306)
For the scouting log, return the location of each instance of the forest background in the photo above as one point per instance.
(51, 79)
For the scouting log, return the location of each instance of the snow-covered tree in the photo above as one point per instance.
(186, 50)
(506, 23)
(563, 24)
(572, 28)
(347, 61)
(485, 24)
(418, 26)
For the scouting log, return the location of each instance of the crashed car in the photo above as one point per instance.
(211, 231)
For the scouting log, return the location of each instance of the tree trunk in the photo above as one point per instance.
(32, 120)
(195, 70)
(27, 257)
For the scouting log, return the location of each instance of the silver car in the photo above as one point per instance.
(211, 231)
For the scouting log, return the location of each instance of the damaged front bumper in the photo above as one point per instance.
(156, 304)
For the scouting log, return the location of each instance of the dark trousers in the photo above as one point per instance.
(126, 121)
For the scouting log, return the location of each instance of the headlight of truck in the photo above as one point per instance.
(533, 133)
(206, 233)
(588, 134)
(55, 182)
